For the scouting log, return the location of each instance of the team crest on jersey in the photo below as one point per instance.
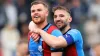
(40, 48)
(66, 35)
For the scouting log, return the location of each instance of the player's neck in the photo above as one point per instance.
(66, 29)
(42, 25)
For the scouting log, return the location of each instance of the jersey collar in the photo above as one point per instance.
(45, 26)
(67, 31)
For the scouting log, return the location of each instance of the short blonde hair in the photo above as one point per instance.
(60, 8)
(40, 2)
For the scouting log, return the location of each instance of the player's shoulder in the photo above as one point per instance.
(74, 31)
(56, 33)
(76, 35)
(54, 30)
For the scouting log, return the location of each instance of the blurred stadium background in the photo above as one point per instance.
(15, 16)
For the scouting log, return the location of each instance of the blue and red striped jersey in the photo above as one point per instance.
(40, 48)
(75, 43)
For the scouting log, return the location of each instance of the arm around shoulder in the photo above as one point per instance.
(53, 41)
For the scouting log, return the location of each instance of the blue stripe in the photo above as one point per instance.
(68, 39)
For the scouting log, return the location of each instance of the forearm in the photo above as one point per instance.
(52, 41)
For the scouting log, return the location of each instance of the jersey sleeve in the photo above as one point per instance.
(72, 36)
(56, 33)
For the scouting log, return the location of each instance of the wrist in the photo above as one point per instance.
(40, 31)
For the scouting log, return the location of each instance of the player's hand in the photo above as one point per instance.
(35, 36)
(33, 27)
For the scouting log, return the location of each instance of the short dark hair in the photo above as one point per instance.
(40, 2)
(60, 8)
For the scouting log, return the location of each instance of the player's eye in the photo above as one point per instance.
(39, 9)
(55, 16)
(33, 11)
(61, 15)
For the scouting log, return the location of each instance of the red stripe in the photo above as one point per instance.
(46, 48)
(51, 29)
(70, 50)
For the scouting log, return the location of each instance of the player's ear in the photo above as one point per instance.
(70, 19)
(47, 12)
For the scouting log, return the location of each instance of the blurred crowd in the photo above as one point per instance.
(15, 16)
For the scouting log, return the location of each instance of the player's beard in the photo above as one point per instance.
(63, 25)
(39, 20)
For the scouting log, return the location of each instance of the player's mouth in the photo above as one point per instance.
(59, 22)
(36, 16)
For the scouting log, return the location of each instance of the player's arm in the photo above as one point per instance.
(57, 42)
(53, 41)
